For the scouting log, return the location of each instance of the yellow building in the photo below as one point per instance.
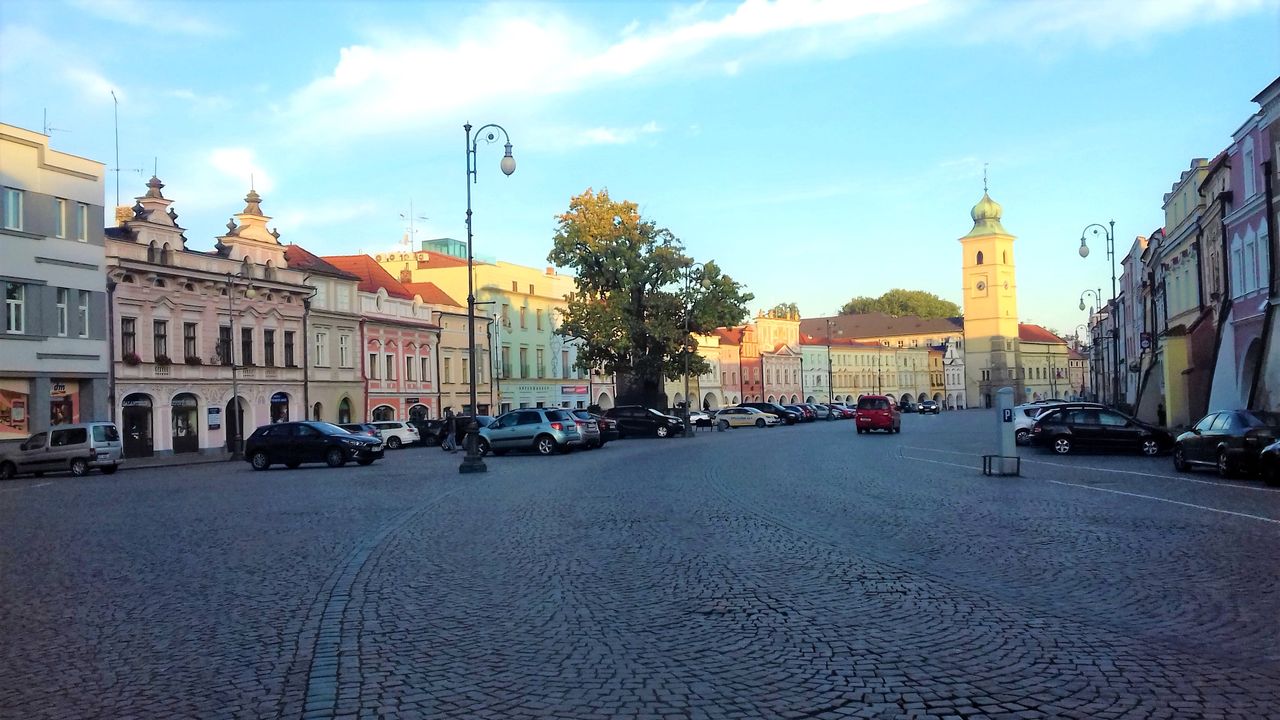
(990, 307)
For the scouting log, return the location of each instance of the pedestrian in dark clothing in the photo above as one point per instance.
(449, 443)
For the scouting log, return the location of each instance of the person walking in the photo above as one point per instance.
(449, 443)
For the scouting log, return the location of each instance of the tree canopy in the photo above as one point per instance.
(634, 285)
(903, 302)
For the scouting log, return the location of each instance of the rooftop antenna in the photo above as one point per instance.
(409, 238)
(48, 130)
(116, 115)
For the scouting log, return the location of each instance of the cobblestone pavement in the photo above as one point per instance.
(803, 572)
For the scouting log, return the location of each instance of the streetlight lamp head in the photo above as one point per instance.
(508, 164)
(250, 293)
(1084, 249)
(1082, 304)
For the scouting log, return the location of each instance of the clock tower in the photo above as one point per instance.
(992, 355)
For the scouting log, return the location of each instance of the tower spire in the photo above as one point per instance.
(984, 178)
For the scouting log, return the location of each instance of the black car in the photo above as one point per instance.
(1269, 463)
(930, 407)
(789, 417)
(634, 420)
(907, 406)
(1065, 429)
(461, 432)
(294, 443)
(430, 432)
(1229, 441)
(608, 426)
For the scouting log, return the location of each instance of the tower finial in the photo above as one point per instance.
(984, 178)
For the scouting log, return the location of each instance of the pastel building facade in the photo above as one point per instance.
(54, 355)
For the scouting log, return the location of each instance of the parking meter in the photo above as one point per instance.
(1005, 461)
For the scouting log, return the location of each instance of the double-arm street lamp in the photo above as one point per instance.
(236, 416)
(472, 462)
(1109, 232)
(688, 310)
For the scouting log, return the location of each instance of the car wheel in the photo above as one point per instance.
(260, 461)
(292, 465)
(1061, 445)
(1022, 436)
(1225, 467)
(79, 467)
(759, 422)
(365, 461)
(662, 431)
(1150, 447)
(393, 443)
(724, 425)
(7, 470)
(897, 428)
(335, 458)
(1179, 460)
(544, 445)
(482, 447)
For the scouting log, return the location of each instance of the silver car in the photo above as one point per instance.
(73, 448)
(542, 430)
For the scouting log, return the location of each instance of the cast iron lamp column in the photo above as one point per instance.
(237, 442)
(831, 388)
(1110, 234)
(472, 462)
(688, 310)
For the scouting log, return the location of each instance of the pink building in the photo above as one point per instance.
(188, 326)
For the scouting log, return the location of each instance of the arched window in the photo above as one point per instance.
(979, 257)
(1004, 257)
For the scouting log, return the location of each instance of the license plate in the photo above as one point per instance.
(103, 456)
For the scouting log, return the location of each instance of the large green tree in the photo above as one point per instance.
(903, 302)
(634, 284)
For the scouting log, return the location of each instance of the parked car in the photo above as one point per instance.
(1065, 428)
(634, 420)
(608, 428)
(906, 406)
(73, 448)
(733, 417)
(430, 432)
(365, 429)
(930, 407)
(589, 430)
(698, 418)
(877, 412)
(822, 412)
(1024, 416)
(396, 433)
(806, 415)
(789, 417)
(1269, 463)
(1230, 441)
(842, 411)
(294, 443)
(542, 430)
(460, 433)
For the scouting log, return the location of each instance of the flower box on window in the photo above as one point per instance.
(163, 360)
(131, 358)
(193, 361)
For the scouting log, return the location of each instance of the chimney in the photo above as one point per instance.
(551, 271)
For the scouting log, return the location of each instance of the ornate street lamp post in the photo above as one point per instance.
(236, 416)
(1109, 232)
(472, 462)
(831, 388)
(688, 310)
(1097, 300)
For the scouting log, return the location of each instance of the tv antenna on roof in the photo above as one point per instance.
(47, 128)
(409, 239)
(116, 117)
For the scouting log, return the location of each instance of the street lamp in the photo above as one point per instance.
(688, 310)
(471, 461)
(831, 388)
(1109, 232)
(1085, 328)
(235, 414)
(1097, 300)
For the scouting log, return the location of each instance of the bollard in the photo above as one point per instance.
(1006, 460)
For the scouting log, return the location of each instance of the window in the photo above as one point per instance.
(448, 371)
(391, 367)
(524, 362)
(224, 344)
(246, 346)
(539, 319)
(515, 286)
(128, 337)
(530, 288)
(541, 365)
(408, 368)
(82, 222)
(373, 366)
(466, 368)
(1250, 183)
(506, 361)
(12, 209)
(64, 299)
(523, 322)
(288, 348)
(979, 257)
(159, 338)
(425, 375)
(564, 364)
(189, 348)
(15, 295)
(269, 348)
(344, 351)
(60, 220)
(322, 349)
(84, 313)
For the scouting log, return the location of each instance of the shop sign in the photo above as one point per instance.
(573, 389)
(184, 401)
(412, 401)
(279, 398)
(136, 401)
(215, 418)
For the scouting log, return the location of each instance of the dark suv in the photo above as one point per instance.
(636, 420)
(294, 443)
(790, 417)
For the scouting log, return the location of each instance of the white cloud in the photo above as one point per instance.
(144, 15)
(238, 163)
(1104, 23)
(199, 101)
(92, 85)
(617, 136)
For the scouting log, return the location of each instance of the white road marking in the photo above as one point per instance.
(1173, 502)
(28, 487)
(939, 462)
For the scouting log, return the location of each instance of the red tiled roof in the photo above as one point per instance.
(729, 336)
(870, 325)
(1034, 333)
(372, 276)
(438, 260)
(431, 293)
(299, 258)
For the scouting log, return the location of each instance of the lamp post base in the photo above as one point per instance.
(472, 465)
(472, 462)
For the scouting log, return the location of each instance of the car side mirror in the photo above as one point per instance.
(1195, 431)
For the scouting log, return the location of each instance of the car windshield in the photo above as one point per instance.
(329, 428)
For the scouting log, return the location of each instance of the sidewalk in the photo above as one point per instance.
(175, 460)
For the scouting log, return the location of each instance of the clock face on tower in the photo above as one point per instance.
(982, 285)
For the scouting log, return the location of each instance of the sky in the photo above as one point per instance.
(817, 150)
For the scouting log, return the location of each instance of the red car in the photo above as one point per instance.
(877, 412)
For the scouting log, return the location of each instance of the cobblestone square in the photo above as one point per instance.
(792, 572)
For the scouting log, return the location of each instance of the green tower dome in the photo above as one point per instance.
(986, 217)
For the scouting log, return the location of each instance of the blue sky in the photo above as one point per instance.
(816, 150)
